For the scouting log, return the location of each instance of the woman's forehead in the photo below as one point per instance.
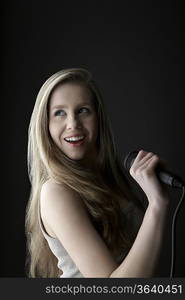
(70, 93)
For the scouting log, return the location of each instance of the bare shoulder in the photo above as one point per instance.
(55, 194)
(58, 205)
(52, 185)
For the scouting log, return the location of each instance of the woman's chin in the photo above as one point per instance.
(76, 157)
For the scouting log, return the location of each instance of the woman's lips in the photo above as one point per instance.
(76, 144)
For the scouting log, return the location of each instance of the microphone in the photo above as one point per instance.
(164, 176)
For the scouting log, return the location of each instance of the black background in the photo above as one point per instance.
(135, 50)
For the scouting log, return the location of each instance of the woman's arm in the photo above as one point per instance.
(65, 213)
(142, 258)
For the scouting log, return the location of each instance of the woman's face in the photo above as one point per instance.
(73, 121)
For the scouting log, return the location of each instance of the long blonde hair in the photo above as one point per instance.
(101, 191)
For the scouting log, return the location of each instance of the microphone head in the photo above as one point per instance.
(129, 159)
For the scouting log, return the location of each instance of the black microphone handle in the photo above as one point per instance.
(169, 179)
(165, 177)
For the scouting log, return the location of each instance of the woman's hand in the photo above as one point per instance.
(143, 171)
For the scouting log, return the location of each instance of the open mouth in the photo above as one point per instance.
(75, 140)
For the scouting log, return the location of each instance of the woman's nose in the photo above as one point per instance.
(73, 122)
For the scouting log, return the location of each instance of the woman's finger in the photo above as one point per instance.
(150, 164)
(142, 158)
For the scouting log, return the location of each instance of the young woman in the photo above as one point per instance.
(82, 218)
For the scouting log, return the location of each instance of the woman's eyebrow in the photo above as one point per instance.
(64, 106)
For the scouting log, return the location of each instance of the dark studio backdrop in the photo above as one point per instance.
(135, 50)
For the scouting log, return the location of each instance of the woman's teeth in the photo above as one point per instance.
(74, 139)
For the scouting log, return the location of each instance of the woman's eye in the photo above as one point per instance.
(84, 109)
(59, 113)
